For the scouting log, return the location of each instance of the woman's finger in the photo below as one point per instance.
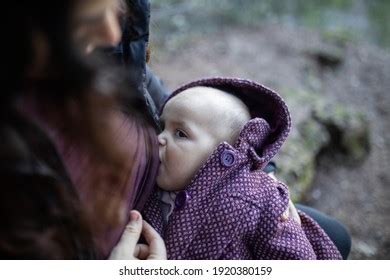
(141, 251)
(126, 246)
(156, 244)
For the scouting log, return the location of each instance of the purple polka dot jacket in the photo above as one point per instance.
(232, 209)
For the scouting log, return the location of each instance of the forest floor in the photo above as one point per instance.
(357, 194)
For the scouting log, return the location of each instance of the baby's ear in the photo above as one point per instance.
(253, 134)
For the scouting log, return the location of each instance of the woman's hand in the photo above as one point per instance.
(127, 247)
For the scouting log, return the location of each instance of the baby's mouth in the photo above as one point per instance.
(160, 169)
(160, 157)
(160, 160)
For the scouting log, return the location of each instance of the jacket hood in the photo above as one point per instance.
(270, 118)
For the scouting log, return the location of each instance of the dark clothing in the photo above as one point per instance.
(131, 53)
(336, 231)
(156, 89)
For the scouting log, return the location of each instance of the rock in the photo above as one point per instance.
(365, 249)
(321, 128)
(296, 168)
(348, 128)
(296, 161)
(327, 55)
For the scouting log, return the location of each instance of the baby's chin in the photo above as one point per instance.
(161, 181)
(164, 183)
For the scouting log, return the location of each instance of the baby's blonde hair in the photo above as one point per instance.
(232, 114)
(236, 120)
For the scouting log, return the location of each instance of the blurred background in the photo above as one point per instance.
(330, 61)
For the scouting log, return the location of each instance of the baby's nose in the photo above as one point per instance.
(161, 139)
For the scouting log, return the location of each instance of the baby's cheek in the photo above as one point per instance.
(186, 169)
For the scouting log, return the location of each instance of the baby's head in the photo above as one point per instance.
(194, 123)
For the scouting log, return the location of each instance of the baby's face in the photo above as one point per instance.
(190, 135)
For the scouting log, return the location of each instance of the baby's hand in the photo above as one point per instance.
(292, 212)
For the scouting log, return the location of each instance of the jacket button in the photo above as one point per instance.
(228, 158)
(181, 199)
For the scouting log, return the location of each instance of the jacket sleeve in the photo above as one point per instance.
(323, 246)
(278, 239)
(156, 88)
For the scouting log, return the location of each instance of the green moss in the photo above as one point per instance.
(339, 36)
(348, 129)
(321, 128)
(296, 166)
(314, 135)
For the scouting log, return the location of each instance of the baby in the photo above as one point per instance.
(214, 201)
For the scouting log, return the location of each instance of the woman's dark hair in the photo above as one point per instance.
(41, 212)
(24, 21)
(41, 217)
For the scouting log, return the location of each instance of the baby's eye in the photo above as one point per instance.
(181, 134)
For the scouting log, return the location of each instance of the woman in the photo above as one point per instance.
(58, 111)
